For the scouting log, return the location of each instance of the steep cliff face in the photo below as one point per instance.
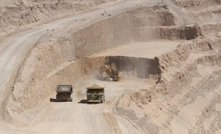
(64, 58)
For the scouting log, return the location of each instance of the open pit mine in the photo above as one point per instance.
(110, 67)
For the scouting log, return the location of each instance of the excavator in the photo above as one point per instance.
(110, 71)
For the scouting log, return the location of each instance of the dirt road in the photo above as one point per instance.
(62, 117)
(178, 92)
(80, 117)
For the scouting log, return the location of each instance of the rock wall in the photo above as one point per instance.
(189, 73)
(135, 25)
(62, 61)
(196, 3)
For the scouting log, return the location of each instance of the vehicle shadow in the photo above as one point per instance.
(84, 101)
(53, 100)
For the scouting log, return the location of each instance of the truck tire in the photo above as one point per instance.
(69, 100)
(69, 97)
(102, 99)
(58, 98)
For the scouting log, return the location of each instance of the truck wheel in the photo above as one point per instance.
(58, 98)
(69, 98)
(102, 99)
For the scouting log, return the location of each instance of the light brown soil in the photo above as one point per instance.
(167, 52)
(142, 49)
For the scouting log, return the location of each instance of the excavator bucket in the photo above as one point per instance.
(110, 71)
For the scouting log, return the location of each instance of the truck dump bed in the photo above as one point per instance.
(64, 89)
(95, 93)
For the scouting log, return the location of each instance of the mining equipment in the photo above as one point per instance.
(110, 71)
(64, 93)
(95, 94)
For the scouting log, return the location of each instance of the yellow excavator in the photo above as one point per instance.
(110, 71)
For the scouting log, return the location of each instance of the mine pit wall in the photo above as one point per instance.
(137, 25)
(182, 82)
(211, 29)
(53, 63)
(29, 88)
(185, 59)
(195, 3)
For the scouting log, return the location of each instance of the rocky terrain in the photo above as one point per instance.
(20, 14)
(167, 52)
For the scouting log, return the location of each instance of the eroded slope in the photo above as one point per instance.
(181, 95)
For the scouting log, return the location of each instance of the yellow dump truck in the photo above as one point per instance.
(110, 71)
(64, 93)
(95, 94)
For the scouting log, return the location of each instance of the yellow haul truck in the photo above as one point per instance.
(64, 93)
(110, 71)
(95, 94)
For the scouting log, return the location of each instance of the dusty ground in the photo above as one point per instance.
(142, 49)
(167, 52)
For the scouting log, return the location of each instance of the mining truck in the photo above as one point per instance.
(110, 70)
(95, 94)
(64, 93)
